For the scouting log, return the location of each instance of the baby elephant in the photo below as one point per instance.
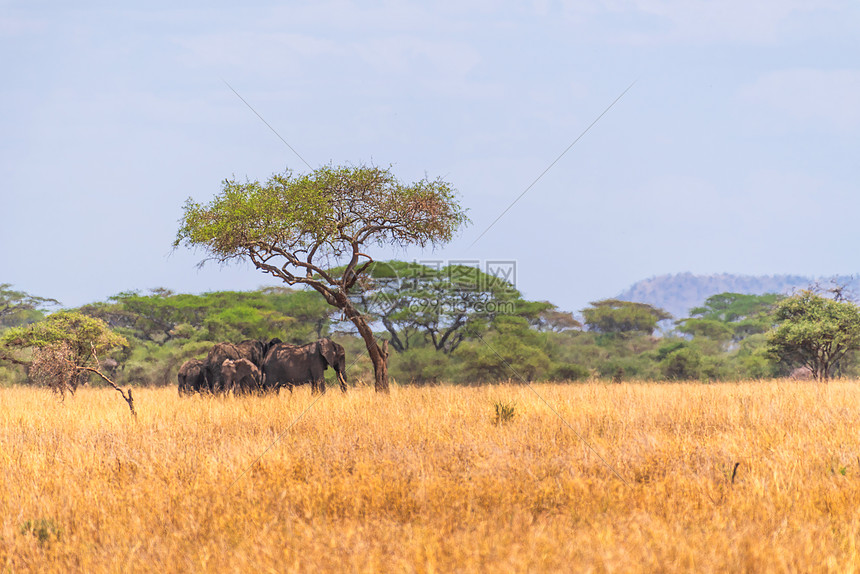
(191, 377)
(240, 375)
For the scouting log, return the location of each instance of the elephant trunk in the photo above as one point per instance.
(342, 378)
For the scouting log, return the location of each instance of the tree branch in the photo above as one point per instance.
(128, 397)
(13, 360)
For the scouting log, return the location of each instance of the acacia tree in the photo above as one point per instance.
(66, 348)
(616, 316)
(314, 229)
(731, 317)
(815, 332)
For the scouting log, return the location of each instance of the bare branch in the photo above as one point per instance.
(127, 397)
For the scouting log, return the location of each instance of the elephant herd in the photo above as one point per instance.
(254, 366)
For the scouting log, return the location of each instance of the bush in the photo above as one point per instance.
(505, 412)
(635, 367)
(682, 365)
(501, 358)
(420, 366)
(569, 372)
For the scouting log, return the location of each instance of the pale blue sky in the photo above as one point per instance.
(736, 150)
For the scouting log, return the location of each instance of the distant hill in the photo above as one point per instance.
(681, 292)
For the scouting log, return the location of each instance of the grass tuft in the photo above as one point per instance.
(505, 412)
(43, 529)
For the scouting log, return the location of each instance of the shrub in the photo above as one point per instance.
(682, 365)
(43, 529)
(569, 372)
(505, 412)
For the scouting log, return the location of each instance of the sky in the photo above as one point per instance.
(735, 150)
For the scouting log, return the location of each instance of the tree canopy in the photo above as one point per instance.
(160, 316)
(731, 316)
(20, 308)
(299, 228)
(616, 316)
(83, 334)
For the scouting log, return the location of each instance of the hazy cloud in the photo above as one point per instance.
(827, 97)
(681, 21)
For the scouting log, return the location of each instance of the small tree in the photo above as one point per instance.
(815, 332)
(66, 348)
(301, 227)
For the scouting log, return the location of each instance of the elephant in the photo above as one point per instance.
(255, 350)
(212, 366)
(241, 375)
(289, 365)
(250, 349)
(191, 377)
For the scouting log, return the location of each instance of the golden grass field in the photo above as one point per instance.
(424, 481)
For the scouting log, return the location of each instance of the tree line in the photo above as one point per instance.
(444, 324)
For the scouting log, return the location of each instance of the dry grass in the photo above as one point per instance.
(426, 481)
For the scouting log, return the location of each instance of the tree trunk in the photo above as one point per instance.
(825, 372)
(380, 370)
(378, 356)
(380, 365)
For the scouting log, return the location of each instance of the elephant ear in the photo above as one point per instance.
(268, 346)
(328, 351)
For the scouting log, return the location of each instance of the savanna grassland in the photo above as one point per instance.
(426, 480)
